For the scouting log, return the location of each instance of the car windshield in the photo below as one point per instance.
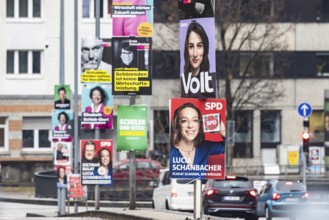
(231, 184)
(290, 187)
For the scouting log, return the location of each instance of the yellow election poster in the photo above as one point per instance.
(293, 158)
(131, 66)
(96, 60)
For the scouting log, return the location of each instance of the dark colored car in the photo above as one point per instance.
(145, 168)
(282, 198)
(231, 197)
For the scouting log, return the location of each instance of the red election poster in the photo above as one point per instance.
(197, 140)
(76, 191)
(96, 162)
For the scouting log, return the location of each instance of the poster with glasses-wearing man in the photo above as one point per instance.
(131, 66)
(96, 161)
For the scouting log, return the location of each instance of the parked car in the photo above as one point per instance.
(145, 168)
(233, 196)
(282, 198)
(173, 194)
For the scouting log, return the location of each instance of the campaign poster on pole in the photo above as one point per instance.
(96, 161)
(188, 9)
(132, 18)
(62, 125)
(62, 153)
(132, 127)
(97, 106)
(197, 145)
(62, 97)
(76, 190)
(96, 58)
(198, 58)
(132, 66)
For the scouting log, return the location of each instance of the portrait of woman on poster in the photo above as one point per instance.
(188, 138)
(63, 125)
(196, 58)
(105, 168)
(61, 176)
(98, 97)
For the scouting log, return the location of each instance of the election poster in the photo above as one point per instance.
(62, 153)
(62, 97)
(96, 59)
(62, 125)
(198, 58)
(188, 9)
(132, 127)
(197, 133)
(97, 106)
(76, 191)
(132, 66)
(132, 18)
(96, 161)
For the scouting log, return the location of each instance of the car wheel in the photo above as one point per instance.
(268, 214)
(167, 205)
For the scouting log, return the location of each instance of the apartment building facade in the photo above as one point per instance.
(30, 47)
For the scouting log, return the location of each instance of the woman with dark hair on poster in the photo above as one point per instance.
(104, 158)
(188, 144)
(98, 96)
(196, 57)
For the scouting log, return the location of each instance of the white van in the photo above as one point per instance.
(173, 194)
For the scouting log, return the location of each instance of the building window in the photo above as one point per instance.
(243, 135)
(36, 132)
(20, 62)
(165, 64)
(270, 128)
(255, 10)
(260, 65)
(322, 64)
(89, 10)
(23, 8)
(3, 133)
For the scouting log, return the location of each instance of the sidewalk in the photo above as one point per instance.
(108, 209)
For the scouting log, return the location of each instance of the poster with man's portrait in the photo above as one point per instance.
(62, 153)
(62, 97)
(96, 59)
(96, 161)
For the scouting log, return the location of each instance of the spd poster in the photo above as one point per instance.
(132, 127)
(132, 66)
(132, 18)
(197, 132)
(96, 161)
(62, 153)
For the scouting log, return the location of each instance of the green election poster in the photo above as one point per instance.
(132, 127)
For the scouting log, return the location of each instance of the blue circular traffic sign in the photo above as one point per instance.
(304, 109)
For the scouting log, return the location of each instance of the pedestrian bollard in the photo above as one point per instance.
(61, 196)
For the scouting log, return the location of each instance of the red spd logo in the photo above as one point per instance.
(211, 123)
